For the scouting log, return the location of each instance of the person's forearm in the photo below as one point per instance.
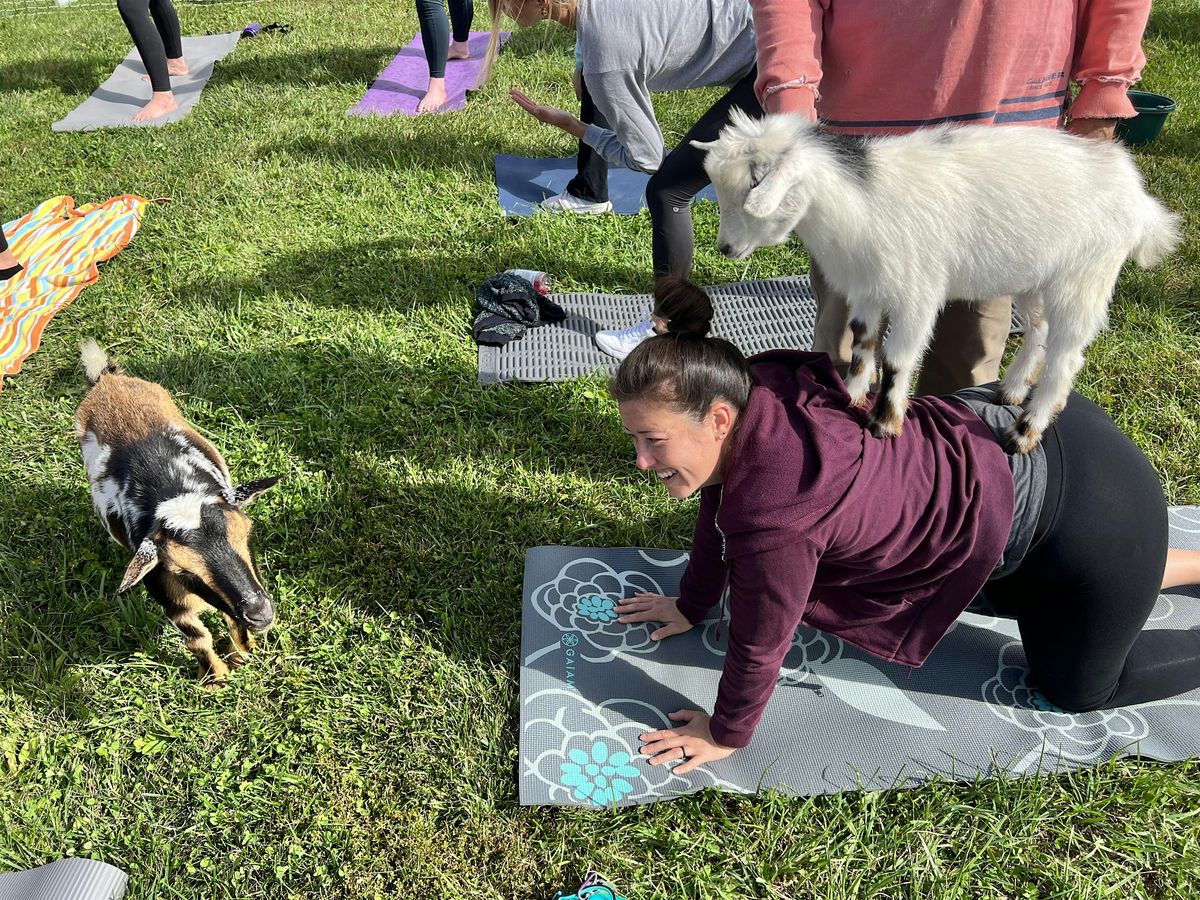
(576, 127)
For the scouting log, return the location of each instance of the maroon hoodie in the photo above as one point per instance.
(879, 542)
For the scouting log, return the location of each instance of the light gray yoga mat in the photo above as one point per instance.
(115, 102)
(773, 314)
(839, 719)
(65, 879)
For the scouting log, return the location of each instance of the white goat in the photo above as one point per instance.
(901, 225)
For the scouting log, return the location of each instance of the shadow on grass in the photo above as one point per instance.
(288, 65)
(67, 75)
(1175, 140)
(396, 274)
(59, 577)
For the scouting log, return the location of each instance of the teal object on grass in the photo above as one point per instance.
(1152, 112)
(594, 887)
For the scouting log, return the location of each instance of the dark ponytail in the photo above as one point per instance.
(684, 367)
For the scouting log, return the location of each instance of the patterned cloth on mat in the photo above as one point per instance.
(59, 246)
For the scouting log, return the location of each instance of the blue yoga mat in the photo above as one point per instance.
(522, 183)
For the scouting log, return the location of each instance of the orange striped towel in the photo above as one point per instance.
(59, 246)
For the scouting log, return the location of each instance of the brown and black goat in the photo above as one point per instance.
(164, 492)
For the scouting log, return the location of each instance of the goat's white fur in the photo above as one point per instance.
(946, 213)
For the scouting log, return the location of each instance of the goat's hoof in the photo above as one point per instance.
(885, 428)
(1022, 437)
(1014, 397)
(233, 655)
(213, 684)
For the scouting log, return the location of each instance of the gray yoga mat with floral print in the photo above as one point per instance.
(839, 718)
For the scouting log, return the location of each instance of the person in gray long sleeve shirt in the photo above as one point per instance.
(629, 49)
(665, 45)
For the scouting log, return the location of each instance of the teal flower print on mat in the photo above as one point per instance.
(597, 608)
(599, 777)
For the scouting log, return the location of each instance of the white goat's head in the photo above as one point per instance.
(760, 178)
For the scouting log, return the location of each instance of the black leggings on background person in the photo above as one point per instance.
(156, 42)
(1085, 589)
(681, 177)
(435, 29)
(591, 169)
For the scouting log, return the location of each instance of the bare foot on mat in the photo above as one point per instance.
(458, 50)
(175, 67)
(161, 103)
(435, 96)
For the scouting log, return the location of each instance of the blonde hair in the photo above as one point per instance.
(496, 9)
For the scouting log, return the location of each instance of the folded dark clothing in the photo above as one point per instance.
(492, 330)
(508, 305)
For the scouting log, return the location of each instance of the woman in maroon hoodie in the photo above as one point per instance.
(807, 518)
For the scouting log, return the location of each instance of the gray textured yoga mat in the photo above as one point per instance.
(65, 879)
(114, 103)
(839, 719)
(777, 313)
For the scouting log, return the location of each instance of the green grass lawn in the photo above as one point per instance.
(307, 297)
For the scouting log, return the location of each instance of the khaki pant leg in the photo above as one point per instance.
(967, 346)
(832, 333)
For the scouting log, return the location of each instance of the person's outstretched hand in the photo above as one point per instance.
(654, 608)
(549, 115)
(692, 742)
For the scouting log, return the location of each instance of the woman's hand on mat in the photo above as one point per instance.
(654, 608)
(550, 115)
(692, 742)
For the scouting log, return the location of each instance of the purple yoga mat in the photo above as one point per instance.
(400, 87)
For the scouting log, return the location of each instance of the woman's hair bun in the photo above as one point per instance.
(683, 305)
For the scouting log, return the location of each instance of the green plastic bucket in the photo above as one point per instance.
(1152, 112)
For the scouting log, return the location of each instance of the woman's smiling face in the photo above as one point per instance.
(684, 453)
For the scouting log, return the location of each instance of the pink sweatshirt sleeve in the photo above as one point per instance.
(1108, 56)
(787, 35)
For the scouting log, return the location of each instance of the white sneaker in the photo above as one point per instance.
(565, 202)
(619, 342)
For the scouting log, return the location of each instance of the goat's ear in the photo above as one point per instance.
(243, 494)
(703, 145)
(771, 184)
(144, 559)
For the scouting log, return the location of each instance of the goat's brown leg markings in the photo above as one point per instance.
(242, 641)
(886, 419)
(185, 613)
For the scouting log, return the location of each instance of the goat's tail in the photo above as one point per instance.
(95, 361)
(1160, 235)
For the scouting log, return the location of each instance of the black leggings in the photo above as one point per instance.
(435, 30)
(591, 169)
(1089, 581)
(155, 43)
(681, 177)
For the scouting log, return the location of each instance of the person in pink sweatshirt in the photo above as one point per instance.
(867, 68)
